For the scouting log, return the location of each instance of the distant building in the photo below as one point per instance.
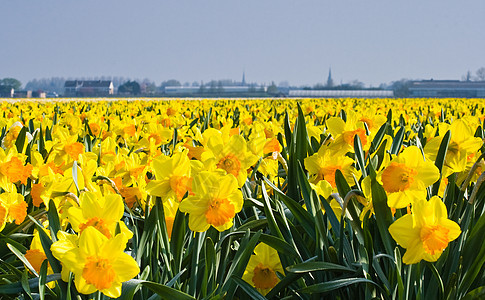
(447, 88)
(39, 94)
(22, 94)
(188, 90)
(341, 93)
(88, 88)
(6, 91)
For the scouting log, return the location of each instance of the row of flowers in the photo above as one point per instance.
(101, 161)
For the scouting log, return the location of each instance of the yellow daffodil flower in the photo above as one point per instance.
(324, 163)
(462, 144)
(426, 232)
(344, 133)
(233, 157)
(12, 135)
(324, 189)
(262, 267)
(172, 176)
(98, 263)
(407, 176)
(12, 208)
(215, 202)
(12, 169)
(100, 212)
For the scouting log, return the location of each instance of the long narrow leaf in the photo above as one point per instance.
(329, 286)
(397, 141)
(312, 266)
(440, 159)
(15, 288)
(251, 291)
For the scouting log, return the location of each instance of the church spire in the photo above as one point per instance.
(329, 80)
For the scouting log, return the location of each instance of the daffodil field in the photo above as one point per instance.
(242, 199)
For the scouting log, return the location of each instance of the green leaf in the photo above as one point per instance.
(177, 239)
(279, 245)
(42, 279)
(306, 189)
(440, 159)
(476, 294)
(31, 126)
(54, 120)
(15, 288)
(239, 263)
(254, 225)
(344, 189)
(473, 254)
(21, 256)
(300, 136)
(297, 151)
(326, 287)
(46, 245)
(285, 282)
(251, 291)
(210, 266)
(21, 139)
(312, 266)
(382, 213)
(378, 138)
(379, 156)
(341, 183)
(359, 155)
(300, 214)
(25, 284)
(268, 211)
(54, 223)
(144, 243)
(287, 129)
(128, 289)
(206, 123)
(48, 133)
(400, 285)
(332, 218)
(438, 278)
(397, 141)
(166, 292)
(88, 143)
(174, 139)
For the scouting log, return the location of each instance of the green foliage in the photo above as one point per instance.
(11, 83)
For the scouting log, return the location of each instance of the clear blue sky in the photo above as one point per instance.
(272, 40)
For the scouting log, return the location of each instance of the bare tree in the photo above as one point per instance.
(481, 74)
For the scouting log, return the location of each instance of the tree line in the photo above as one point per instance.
(127, 86)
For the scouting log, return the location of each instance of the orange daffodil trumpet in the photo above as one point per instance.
(215, 202)
(426, 232)
(407, 176)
